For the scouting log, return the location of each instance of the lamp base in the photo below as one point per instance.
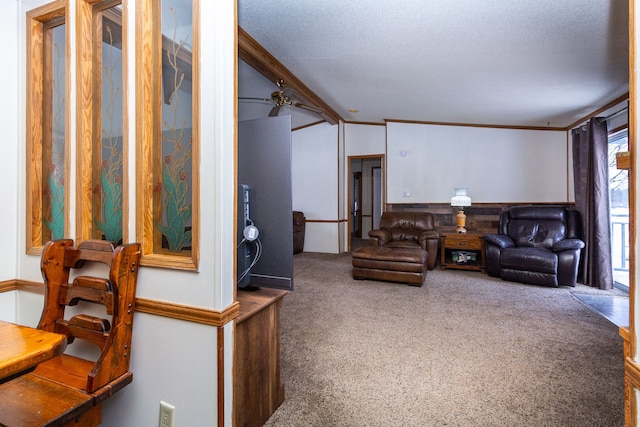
(461, 220)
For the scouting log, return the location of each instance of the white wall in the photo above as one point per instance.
(364, 140)
(9, 149)
(426, 162)
(314, 157)
(8, 306)
(172, 360)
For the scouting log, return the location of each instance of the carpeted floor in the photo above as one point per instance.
(463, 350)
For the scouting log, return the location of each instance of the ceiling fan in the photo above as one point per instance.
(281, 97)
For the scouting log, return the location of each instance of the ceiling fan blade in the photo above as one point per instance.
(274, 111)
(281, 97)
(308, 107)
(243, 98)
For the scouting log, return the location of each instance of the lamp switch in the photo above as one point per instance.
(406, 194)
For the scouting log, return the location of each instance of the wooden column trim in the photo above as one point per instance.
(631, 368)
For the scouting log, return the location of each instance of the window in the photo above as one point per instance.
(47, 129)
(619, 208)
(101, 122)
(168, 144)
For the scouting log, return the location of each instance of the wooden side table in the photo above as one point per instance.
(471, 241)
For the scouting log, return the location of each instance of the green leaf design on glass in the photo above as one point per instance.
(56, 193)
(177, 210)
(111, 186)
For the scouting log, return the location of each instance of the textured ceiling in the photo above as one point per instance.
(501, 62)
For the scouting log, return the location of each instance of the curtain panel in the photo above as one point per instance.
(591, 188)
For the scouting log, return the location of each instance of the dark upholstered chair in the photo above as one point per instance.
(299, 223)
(538, 245)
(407, 230)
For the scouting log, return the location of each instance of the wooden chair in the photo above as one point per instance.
(69, 390)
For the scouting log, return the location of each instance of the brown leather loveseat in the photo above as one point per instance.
(408, 230)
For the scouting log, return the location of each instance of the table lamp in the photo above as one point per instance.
(461, 200)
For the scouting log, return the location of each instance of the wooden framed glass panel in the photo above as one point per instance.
(101, 121)
(168, 132)
(47, 126)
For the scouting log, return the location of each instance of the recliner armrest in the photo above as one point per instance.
(500, 240)
(429, 234)
(567, 244)
(380, 236)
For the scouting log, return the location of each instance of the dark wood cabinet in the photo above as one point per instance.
(258, 389)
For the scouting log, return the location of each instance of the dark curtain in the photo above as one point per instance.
(591, 187)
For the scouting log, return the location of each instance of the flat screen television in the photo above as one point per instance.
(264, 175)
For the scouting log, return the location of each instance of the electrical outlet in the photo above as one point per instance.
(166, 414)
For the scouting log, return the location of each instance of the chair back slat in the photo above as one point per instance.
(115, 292)
(85, 327)
(91, 289)
(89, 250)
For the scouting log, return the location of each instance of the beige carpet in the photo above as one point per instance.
(463, 350)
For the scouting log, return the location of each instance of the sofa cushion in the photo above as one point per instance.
(532, 277)
(414, 255)
(536, 233)
(410, 234)
(406, 244)
(529, 259)
(407, 220)
(537, 213)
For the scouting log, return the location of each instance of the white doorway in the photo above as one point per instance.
(365, 198)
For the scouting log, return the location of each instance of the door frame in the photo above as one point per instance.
(356, 186)
(350, 159)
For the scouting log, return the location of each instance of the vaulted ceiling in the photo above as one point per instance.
(543, 63)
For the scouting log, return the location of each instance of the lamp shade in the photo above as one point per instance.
(461, 198)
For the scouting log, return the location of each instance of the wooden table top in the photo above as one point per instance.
(454, 233)
(23, 348)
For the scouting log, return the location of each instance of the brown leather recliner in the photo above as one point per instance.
(408, 230)
(299, 224)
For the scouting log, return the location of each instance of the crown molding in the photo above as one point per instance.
(251, 52)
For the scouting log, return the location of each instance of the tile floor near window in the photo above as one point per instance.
(613, 307)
